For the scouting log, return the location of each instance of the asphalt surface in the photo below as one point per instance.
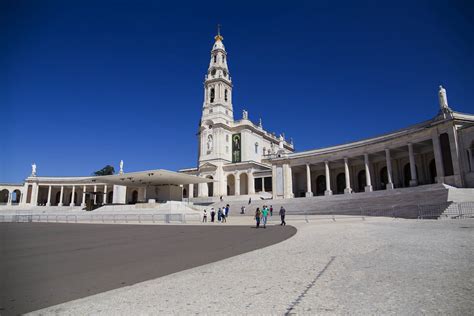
(46, 264)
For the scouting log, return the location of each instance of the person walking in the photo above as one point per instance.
(264, 216)
(224, 217)
(219, 215)
(282, 216)
(257, 217)
(204, 217)
(242, 210)
(227, 210)
(271, 210)
(213, 214)
(250, 200)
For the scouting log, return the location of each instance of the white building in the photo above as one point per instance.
(238, 157)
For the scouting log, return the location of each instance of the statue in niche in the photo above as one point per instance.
(33, 169)
(209, 143)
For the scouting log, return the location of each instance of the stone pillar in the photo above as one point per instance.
(287, 182)
(411, 156)
(83, 203)
(104, 199)
(48, 203)
(455, 155)
(438, 157)
(471, 162)
(309, 192)
(9, 198)
(348, 189)
(61, 196)
(34, 194)
(328, 179)
(191, 190)
(368, 180)
(389, 185)
(95, 194)
(274, 182)
(237, 184)
(251, 182)
(72, 195)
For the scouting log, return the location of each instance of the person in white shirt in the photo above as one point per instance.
(204, 217)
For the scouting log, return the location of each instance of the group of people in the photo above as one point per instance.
(261, 216)
(222, 214)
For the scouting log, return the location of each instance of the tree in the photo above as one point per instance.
(106, 171)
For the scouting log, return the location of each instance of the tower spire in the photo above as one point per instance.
(218, 37)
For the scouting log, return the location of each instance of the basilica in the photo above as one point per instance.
(238, 157)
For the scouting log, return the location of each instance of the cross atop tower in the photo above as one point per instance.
(218, 36)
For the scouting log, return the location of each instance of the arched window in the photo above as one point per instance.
(225, 95)
(215, 58)
(223, 59)
(212, 95)
(256, 148)
(264, 151)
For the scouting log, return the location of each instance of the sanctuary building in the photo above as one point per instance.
(237, 157)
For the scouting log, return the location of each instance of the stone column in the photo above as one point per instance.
(237, 183)
(104, 199)
(348, 189)
(411, 155)
(471, 162)
(61, 195)
(274, 182)
(455, 155)
(251, 182)
(72, 195)
(95, 194)
(191, 190)
(83, 203)
(438, 157)
(9, 198)
(309, 192)
(368, 180)
(328, 179)
(389, 185)
(35, 193)
(288, 182)
(48, 203)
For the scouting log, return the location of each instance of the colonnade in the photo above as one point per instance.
(32, 194)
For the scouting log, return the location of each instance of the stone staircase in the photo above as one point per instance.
(403, 202)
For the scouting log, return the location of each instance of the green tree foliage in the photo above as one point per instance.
(106, 171)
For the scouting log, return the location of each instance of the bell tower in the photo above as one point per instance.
(218, 85)
(217, 112)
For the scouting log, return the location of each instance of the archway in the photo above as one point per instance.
(4, 196)
(244, 180)
(134, 197)
(407, 174)
(320, 185)
(185, 193)
(432, 168)
(210, 187)
(230, 184)
(110, 197)
(383, 178)
(340, 183)
(361, 180)
(16, 196)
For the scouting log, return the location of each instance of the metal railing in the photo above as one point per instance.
(98, 218)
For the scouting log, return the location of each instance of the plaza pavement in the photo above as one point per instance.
(348, 266)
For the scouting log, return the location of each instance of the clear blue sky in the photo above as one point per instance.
(87, 83)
